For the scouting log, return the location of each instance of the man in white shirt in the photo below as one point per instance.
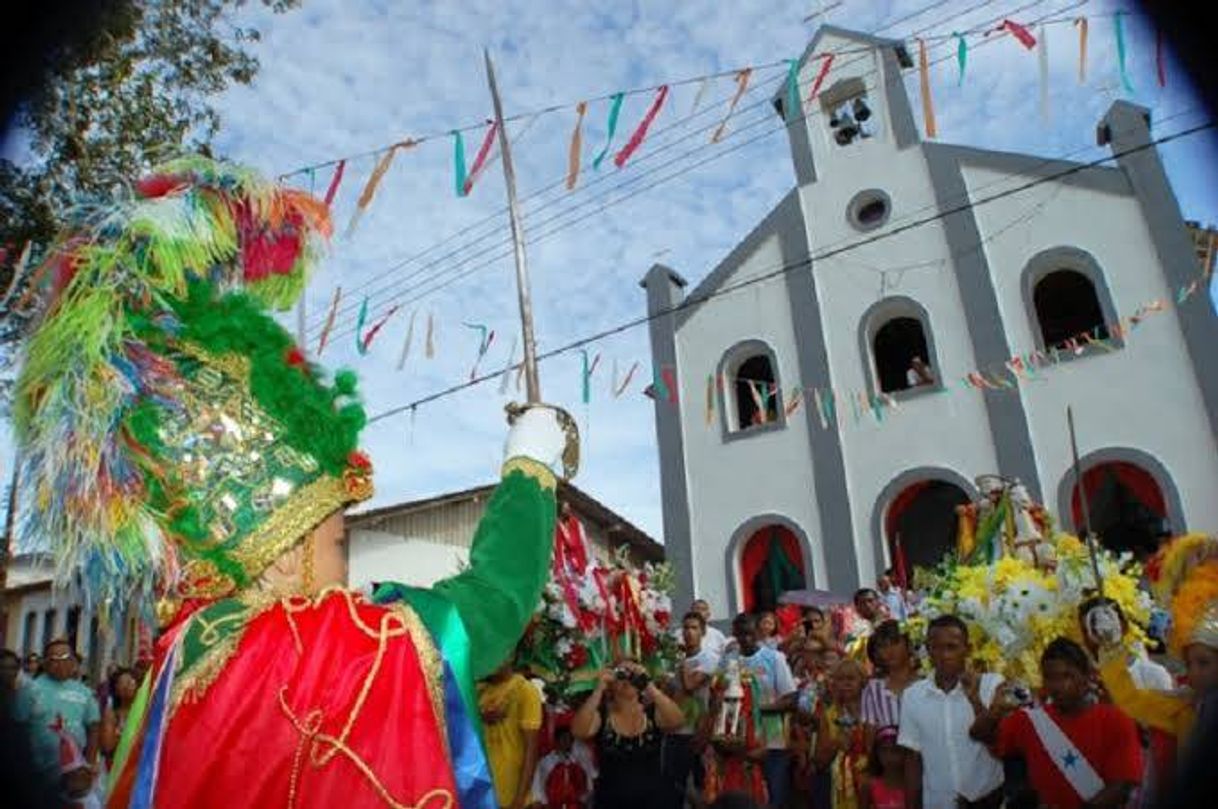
(693, 678)
(713, 639)
(949, 768)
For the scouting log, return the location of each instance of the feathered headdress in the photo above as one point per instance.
(173, 437)
(1184, 574)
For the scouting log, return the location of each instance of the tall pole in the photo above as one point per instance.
(1089, 537)
(531, 382)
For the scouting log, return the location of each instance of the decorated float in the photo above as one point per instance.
(1018, 581)
(594, 613)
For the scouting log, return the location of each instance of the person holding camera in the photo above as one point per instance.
(626, 717)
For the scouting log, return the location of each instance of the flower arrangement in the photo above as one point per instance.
(588, 618)
(1015, 607)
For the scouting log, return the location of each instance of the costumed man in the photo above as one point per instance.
(1184, 575)
(176, 443)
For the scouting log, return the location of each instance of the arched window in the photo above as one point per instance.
(898, 347)
(1066, 308)
(750, 392)
(48, 627)
(1068, 301)
(1127, 507)
(29, 639)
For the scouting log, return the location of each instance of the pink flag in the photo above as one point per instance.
(636, 139)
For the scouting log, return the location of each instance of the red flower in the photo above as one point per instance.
(358, 460)
(663, 617)
(295, 357)
(577, 657)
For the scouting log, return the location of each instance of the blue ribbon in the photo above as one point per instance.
(143, 794)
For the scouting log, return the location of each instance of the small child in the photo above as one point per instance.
(884, 784)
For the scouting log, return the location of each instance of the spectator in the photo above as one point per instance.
(894, 655)
(893, 597)
(714, 639)
(777, 693)
(859, 623)
(884, 783)
(817, 626)
(628, 729)
(948, 768)
(69, 701)
(122, 694)
(767, 629)
(693, 687)
(564, 777)
(1078, 753)
(27, 779)
(840, 743)
(33, 665)
(511, 715)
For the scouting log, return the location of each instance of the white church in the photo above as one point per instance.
(870, 302)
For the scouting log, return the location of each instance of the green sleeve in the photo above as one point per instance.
(509, 565)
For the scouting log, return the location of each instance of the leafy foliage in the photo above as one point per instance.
(135, 93)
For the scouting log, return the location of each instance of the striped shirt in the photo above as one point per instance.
(881, 707)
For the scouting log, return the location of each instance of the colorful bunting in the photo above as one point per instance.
(1042, 59)
(710, 399)
(486, 336)
(742, 83)
(702, 85)
(374, 180)
(325, 330)
(615, 110)
(636, 139)
(372, 332)
(792, 104)
(793, 405)
(1019, 32)
(573, 152)
(429, 349)
(585, 377)
(625, 382)
(332, 190)
(760, 414)
(359, 326)
(670, 379)
(409, 339)
(820, 409)
(488, 140)
(1119, 26)
(826, 62)
(928, 105)
(961, 55)
(1081, 24)
(661, 388)
(458, 162)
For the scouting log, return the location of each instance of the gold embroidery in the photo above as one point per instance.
(307, 508)
(432, 664)
(530, 468)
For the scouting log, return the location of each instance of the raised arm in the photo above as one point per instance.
(1154, 708)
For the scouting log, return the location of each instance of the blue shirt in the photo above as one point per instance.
(772, 675)
(72, 702)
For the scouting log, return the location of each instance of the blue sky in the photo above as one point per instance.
(346, 76)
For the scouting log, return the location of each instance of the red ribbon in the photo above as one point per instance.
(641, 132)
(1160, 62)
(380, 324)
(1019, 32)
(826, 63)
(334, 182)
(480, 161)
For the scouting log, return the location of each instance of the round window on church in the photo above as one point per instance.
(869, 209)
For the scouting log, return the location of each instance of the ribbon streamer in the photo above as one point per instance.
(376, 327)
(505, 376)
(1119, 24)
(374, 180)
(961, 55)
(332, 190)
(1042, 59)
(792, 89)
(742, 83)
(409, 339)
(585, 377)
(928, 104)
(825, 63)
(636, 139)
(658, 384)
(1019, 32)
(1081, 24)
(626, 382)
(576, 145)
(820, 409)
(702, 85)
(458, 162)
(760, 402)
(359, 326)
(429, 350)
(793, 405)
(325, 330)
(614, 111)
(488, 140)
(710, 399)
(670, 379)
(1160, 58)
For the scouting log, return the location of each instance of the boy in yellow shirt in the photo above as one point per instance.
(511, 714)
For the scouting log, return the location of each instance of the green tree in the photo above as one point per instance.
(139, 89)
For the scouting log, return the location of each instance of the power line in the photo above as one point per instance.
(785, 268)
(400, 298)
(348, 309)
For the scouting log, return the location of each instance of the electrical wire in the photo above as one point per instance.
(785, 268)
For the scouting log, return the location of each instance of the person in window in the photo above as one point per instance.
(627, 730)
(919, 374)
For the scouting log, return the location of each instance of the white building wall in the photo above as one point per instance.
(769, 472)
(1144, 396)
(381, 556)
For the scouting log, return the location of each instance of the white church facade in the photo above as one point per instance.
(896, 266)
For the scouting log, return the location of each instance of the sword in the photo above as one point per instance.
(1089, 537)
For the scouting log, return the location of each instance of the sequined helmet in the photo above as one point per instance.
(174, 439)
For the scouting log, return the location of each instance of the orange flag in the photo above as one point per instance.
(928, 105)
(742, 83)
(576, 146)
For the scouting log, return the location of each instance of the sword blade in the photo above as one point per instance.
(1089, 537)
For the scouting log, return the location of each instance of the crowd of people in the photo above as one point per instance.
(849, 713)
